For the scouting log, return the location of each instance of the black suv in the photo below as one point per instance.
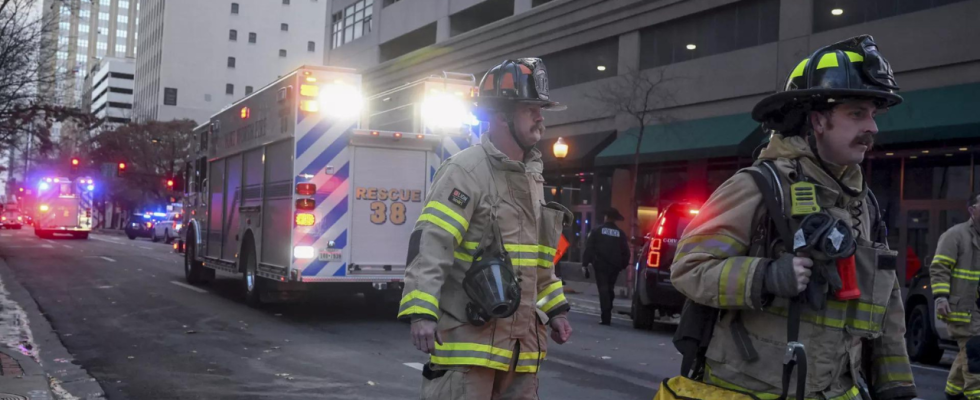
(653, 291)
(140, 225)
(925, 335)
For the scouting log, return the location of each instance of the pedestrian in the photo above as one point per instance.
(608, 252)
(796, 226)
(954, 273)
(480, 287)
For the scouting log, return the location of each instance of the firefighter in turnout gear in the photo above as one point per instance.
(954, 274)
(741, 258)
(482, 196)
(608, 251)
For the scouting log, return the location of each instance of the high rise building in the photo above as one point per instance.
(83, 32)
(199, 56)
(110, 99)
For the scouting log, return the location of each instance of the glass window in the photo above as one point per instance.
(104, 16)
(233, 35)
(937, 177)
(283, 27)
(82, 28)
(234, 8)
(719, 30)
(833, 14)
(120, 49)
(248, 90)
(121, 34)
(310, 46)
(123, 3)
(282, 52)
(252, 37)
(82, 43)
(352, 23)
(285, 2)
(231, 62)
(602, 61)
(229, 88)
(169, 96)
(84, 13)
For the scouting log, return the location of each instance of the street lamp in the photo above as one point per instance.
(560, 150)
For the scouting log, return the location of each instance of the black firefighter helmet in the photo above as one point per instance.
(524, 80)
(850, 69)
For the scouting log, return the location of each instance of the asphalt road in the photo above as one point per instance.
(123, 311)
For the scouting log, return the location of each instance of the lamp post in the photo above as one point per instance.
(560, 150)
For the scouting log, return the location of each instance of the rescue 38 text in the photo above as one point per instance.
(372, 193)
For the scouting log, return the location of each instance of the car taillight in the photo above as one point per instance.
(305, 204)
(305, 219)
(305, 189)
(20, 218)
(653, 257)
(149, 224)
(3, 218)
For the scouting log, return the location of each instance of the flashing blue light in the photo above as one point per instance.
(159, 214)
(43, 186)
(471, 120)
(90, 187)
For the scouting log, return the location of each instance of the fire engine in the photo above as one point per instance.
(64, 206)
(286, 190)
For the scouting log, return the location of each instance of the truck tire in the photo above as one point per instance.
(922, 343)
(83, 235)
(643, 316)
(251, 282)
(131, 237)
(194, 271)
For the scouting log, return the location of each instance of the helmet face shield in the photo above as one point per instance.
(492, 287)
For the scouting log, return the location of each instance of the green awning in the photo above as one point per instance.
(685, 140)
(944, 113)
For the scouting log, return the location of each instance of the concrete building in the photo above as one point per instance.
(111, 95)
(86, 31)
(717, 59)
(199, 56)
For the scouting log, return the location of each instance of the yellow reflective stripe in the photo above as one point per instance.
(531, 262)
(548, 289)
(798, 71)
(947, 258)
(940, 285)
(484, 348)
(955, 389)
(531, 356)
(418, 294)
(417, 310)
(971, 392)
(851, 394)
(871, 308)
(526, 368)
(521, 248)
(463, 256)
(483, 362)
(733, 295)
(470, 245)
(547, 250)
(442, 224)
(854, 57)
(828, 60)
(449, 212)
(960, 274)
(944, 260)
(966, 272)
(554, 302)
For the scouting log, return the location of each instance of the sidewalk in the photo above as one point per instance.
(583, 294)
(34, 364)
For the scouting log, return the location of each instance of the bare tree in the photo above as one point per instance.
(643, 97)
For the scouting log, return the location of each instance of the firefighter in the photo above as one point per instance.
(731, 257)
(480, 287)
(608, 251)
(954, 274)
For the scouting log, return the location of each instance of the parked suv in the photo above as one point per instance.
(925, 335)
(140, 225)
(653, 293)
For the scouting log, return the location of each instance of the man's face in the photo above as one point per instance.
(846, 132)
(528, 123)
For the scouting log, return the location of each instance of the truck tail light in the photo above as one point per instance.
(653, 257)
(309, 90)
(309, 106)
(88, 213)
(3, 218)
(305, 219)
(305, 189)
(305, 204)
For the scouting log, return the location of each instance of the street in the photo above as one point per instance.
(123, 311)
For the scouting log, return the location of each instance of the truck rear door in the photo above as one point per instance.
(389, 186)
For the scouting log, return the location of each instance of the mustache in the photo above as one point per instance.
(539, 126)
(867, 139)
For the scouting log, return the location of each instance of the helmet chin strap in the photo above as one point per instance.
(513, 134)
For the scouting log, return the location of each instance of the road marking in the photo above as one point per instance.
(930, 368)
(107, 259)
(49, 240)
(414, 366)
(145, 248)
(601, 372)
(47, 246)
(4, 235)
(186, 286)
(67, 246)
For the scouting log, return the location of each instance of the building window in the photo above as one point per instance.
(284, 27)
(248, 89)
(352, 23)
(121, 34)
(233, 35)
(387, 3)
(82, 28)
(282, 52)
(285, 2)
(252, 37)
(231, 62)
(833, 14)
(603, 56)
(310, 46)
(234, 8)
(736, 26)
(120, 49)
(123, 3)
(229, 88)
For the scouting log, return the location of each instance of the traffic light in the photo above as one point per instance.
(170, 184)
(120, 169)
(75, 163)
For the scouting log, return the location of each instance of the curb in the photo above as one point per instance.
(53, 371)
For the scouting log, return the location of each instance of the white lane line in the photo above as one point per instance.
(49, 240)
(4, 235)
(186, 286)
(107, 259)
(145, 248)
(103, 239)
(414, 366)
(67, 246)
(930, 368)
(47, 246)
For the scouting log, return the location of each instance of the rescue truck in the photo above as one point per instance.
(286, 191)
(64, 206)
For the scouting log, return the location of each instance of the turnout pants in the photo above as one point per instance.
(606, 281)
(961, 382)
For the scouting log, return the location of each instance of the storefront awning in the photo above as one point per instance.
(582, 150)
(945, 113)
(723, 136)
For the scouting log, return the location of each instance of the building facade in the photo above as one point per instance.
(110, 99)
(710, 62)
(85, 31)
(199, 56)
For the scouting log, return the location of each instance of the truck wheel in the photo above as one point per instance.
(251, 282)
(83, 235)
(194, 271)
(167, 238)
(642, 315)
(923, 346)
(131, 237)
